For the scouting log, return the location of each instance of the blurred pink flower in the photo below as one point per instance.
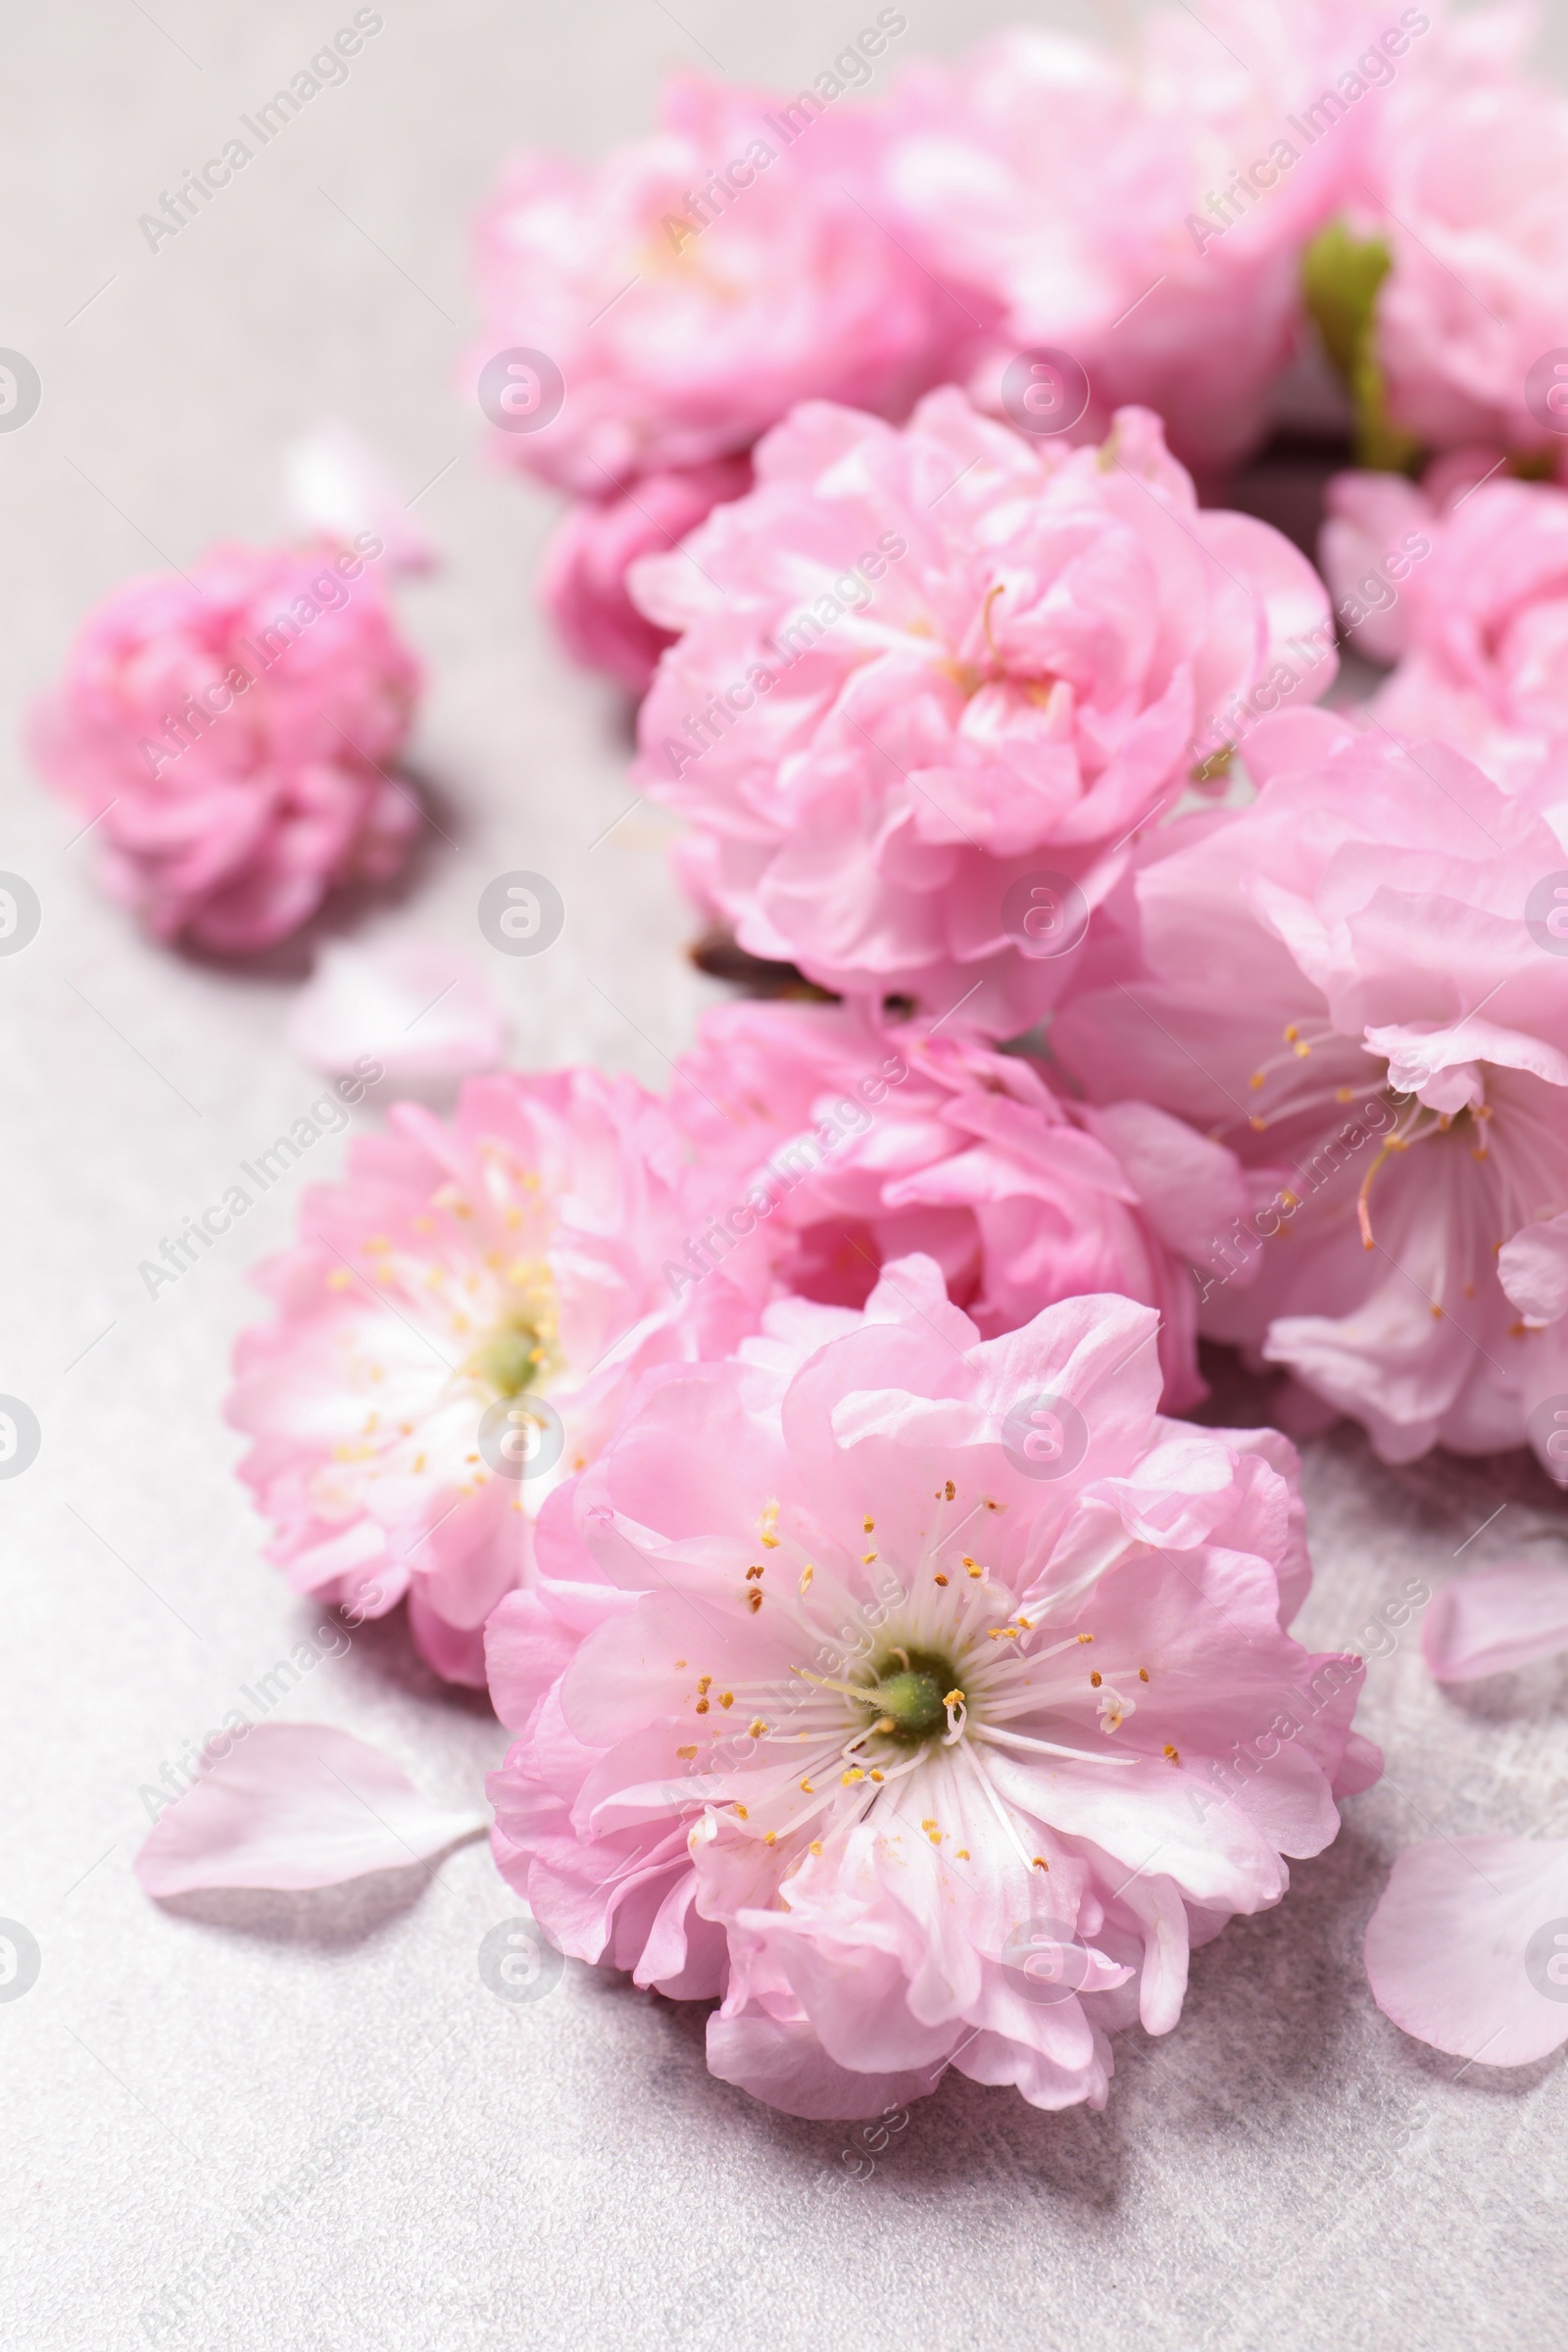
(916, 1746)
(1096, 203)
(927, 673)
(875, 1141)
(1480, 629)
(457, 1328)
(1360, 983)
(582, 583)
(230, 731)
(686, 311)
(1467, 183)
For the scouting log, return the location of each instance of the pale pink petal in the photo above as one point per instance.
(295, 1804)
(1495, 1620)
(1468, 1947)
(418, 1008)
(1532, 1268)
(336, 487)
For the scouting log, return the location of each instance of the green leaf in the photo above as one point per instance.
(1341, 278)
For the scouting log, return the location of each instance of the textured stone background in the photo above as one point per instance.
(1284, 2169)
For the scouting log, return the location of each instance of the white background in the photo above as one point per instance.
(1283, 2168)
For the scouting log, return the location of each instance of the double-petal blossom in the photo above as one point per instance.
(456, 1331)
(932, 680)
(893, 1685)
(854, 1143)
(1360, 983)
(231, 735)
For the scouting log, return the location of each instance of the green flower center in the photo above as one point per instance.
(509, 1360)
(911, 1692)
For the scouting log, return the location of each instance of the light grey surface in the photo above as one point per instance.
(442, 2170)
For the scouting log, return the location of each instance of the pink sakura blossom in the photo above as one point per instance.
(867, 1142)
(885, 1682)
(457, 1328)
(1468, 1947)
(1467, 186)
(1146, 212)
(582, 584)
(931, 677)
(1479, 631)
(697, 283)
(1356, 983)
(231, 731)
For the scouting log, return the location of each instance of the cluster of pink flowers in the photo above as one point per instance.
(793, 1456)
(1059, 229)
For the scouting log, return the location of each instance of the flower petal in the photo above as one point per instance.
(1460, 1951)
(418, 1008)
(295, 1804)
(1495, 1620)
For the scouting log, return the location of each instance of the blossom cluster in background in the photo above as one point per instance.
(797, 1456)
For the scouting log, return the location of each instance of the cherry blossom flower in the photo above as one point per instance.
(932, 680)
(1480, 630)
(582, 584)
(1357, 984)
(696, 284)
(887, 1682)
(857, 1143)
(1144, 213)
(1466, 187)
(459, 1328)
(231, 733)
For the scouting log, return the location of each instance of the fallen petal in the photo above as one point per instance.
(418, 1009)
(291, 1805)
(1495, 1620)
(1468, 1949)
(334, 484)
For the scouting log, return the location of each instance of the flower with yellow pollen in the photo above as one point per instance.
(922, 1803)
(450, 1341)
